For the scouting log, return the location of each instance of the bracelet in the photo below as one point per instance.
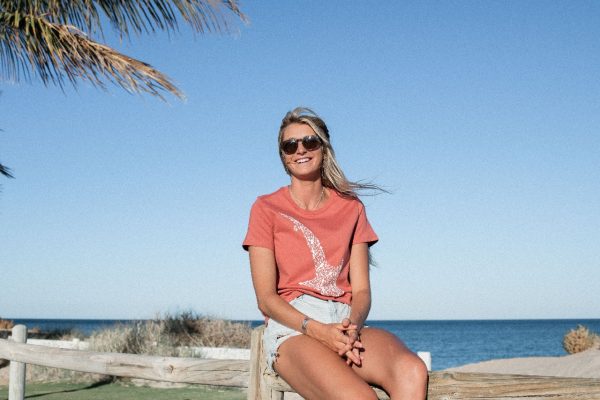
(304, 323)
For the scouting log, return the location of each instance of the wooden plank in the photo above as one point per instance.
(257, 390)
(233, 373)
(16, 380)
(254, 382)
(278, 384)
(461, 385)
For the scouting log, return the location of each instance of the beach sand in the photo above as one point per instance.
(580, 365)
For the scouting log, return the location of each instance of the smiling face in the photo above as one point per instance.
(303, 164)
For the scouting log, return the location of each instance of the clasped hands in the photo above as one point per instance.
(343, 338)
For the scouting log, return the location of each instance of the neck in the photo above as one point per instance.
(308, 195)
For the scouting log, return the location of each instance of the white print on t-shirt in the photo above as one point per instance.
(325, 274)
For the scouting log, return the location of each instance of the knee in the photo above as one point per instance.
(413, 372)
(419, 371)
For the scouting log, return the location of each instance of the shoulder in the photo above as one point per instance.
(271, 203)
(347, 201)
(270, 199)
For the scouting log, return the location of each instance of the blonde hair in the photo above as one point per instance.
(332, 175)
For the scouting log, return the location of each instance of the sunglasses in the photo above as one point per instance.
(310, 143)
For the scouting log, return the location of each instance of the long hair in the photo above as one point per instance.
(332, 175)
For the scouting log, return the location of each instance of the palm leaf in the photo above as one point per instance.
(52, 38)
(142, 16)
(5, 171)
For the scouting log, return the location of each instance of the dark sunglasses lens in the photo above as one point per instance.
(289, 146)
(311, 142)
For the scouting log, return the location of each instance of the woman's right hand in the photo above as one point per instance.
(335, 337)
(353, 355)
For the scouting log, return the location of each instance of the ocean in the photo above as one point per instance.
(451, 343)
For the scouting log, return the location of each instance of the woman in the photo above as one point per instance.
(309, 256)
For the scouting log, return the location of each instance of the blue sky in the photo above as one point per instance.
(481, 118)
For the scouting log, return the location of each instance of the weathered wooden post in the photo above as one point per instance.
(16, 383)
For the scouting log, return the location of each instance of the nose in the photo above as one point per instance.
(300, 149)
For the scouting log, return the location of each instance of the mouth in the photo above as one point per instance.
(302, 160)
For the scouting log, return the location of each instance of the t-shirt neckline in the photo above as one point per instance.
(326, 205)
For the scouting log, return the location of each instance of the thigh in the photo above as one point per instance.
(387, 361)
(316, 372)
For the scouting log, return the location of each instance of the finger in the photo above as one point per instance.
(358, 354)
(353, 357)
(344, 349)
(342, 327)
(350, 327)
(352, 335)
(343, 338)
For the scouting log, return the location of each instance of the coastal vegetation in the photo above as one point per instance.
(6, 324)
(172, 335)
(580, 339)
(169, 335)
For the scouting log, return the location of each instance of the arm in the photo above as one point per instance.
(264, 278)
(361, 285)
(361, 298)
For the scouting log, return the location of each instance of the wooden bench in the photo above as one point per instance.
(442, 385)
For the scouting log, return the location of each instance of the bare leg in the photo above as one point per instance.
(316, 372)
(390, 364)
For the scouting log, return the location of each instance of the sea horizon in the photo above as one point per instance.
(451, 343)
(376, 319)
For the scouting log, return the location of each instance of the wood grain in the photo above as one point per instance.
(232, 373)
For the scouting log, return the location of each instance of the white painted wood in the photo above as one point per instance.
(16, 383)
(215, 353)
(74, 344)
(221, 353)
(426, 357)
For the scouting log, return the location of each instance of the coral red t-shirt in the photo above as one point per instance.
(312, 248)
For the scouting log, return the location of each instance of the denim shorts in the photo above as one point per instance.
(325, 311)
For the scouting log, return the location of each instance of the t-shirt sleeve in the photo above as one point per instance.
(260, 227)
(364, 233)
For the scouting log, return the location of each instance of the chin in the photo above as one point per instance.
(306, 176)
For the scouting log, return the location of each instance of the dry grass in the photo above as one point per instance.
(190, 329)
(171, 335)
(6, 324)
(580, 339)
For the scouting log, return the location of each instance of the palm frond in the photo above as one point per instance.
(4, 170)
(58, 51)
(53, 38)
(132, 16)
